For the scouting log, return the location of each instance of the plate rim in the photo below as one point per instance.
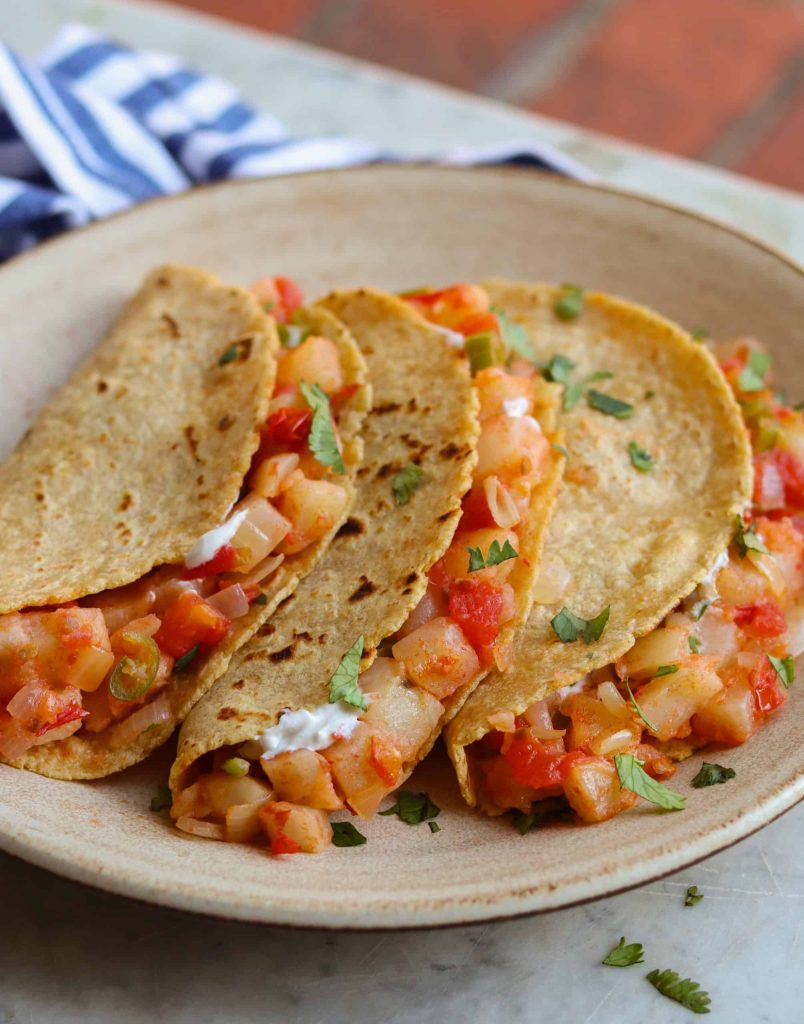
(455, 912)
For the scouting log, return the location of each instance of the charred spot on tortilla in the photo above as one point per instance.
(351, 528)
(412, 405)
(226, 713)
(268, 629)
(125, 501)
(171, 325)
(366, 589)
(304, 635)
(387, 470)
(411, 578)
(283, 655)
(192, 441)
(225, 421)
(238, 684)
(101, 386)
(386, 407)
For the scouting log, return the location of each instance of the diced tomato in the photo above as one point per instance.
(479, 323)
(342, 395)
(439, 576)
(224, 560)
(768, 691)
(284, 844)
(288, 426)
(190, 620)
(290, 298)
(72, 713)
(763, 620)
(384, 759)
(476, 512)
(477, 608)
(535, 764)
(791, 470)
(252, 592)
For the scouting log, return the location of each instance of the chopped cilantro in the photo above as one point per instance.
(574, 392)
(495, 556)
(633, 776)
(162, 799)
(665, 670)
(434, 826)
(686, 992)
(186, 659)
(228, 356)
(322, 441)
(407, 482)
(413, 808)
(693, 896)
(711, 775)
(746, 539)
(345, 834)
(260, 599)
(625, 955)
(640, 459)
(514, 335)
(561, 450)
(292, 335)
(558, 369)
(699, 608)
(523, 822)
(609, 405)
(700, 334)
(650, 394)
(752, 376)
(694, 644)
(344, 685)
(785, 669)
(568, 626)
(638, 709)
(569, 305)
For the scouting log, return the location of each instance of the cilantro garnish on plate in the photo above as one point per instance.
(345, 834)
(693, 896)
(711, 775)
(414, 808)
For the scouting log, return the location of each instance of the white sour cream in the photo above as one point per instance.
(309, 730)
(516, 407)
(722, 560)
(452, 338)
(208, 545)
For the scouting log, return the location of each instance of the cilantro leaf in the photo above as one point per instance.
(638, 709)
(162, 799)
(495, 556)
(561, 450)
(260, 599)
(568, 626)
(434, 826)
(693, 896)
(514, 335)
(570, 304)
(746, 539)
(228, 356)
(700, 334)
(752, 376)
(686, 992)
(711, 775)
(322, 441)
(344, 685)
(345, 834)
(625, 955)
(574, 392)
(413, 808)
(699, 608)
(633, 776)
(292, 335)
(640, 459)
(523, 821)
(785, 669)
(694, 644)
(665, 670)
(609, 405)
(406, 482)
(558, 369)
(186, 659)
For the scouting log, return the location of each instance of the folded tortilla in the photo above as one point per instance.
(425, 411)
(635, 541)
(161, 436)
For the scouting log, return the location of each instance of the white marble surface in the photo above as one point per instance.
(75, 956)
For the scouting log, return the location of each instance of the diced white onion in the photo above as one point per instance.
(205, 829)
(615, 742)
(503, 721)
(261, 571)
(552, 582)
(501, 505)
(242, 822)
(771, 487)
(231, 601)
(154, 713)
(613, 701)
(538, 715)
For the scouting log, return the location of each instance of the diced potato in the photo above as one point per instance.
(594, 791)
(671, 701)
(498, 789)
(594, 727)
(272, 474)
(729, 717)
(664, 646)
(295, 829)
(432, 605)
(313, 507)
(221, 791)
(740, 582)
(456, 560)
(242, 823)
(718, 635)
(437, 657)
(406, 713)
(89, 668)
(511, 448)
(302, 777)
(260, 533)
(494, 386)
(366, 767)
(315, 361)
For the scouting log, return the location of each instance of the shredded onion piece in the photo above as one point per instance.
(501, 505)
(615, 742)
(613, 700)
(260, 571)
(242, 822)
(501, 653)
(154, 713)
(538, 715)
(231, 601)
(770, 569)
(205, 829)
(15, 742)
(552, 582)
(23, 705)
(503, 721)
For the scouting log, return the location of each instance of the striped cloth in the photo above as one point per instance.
(93, 126)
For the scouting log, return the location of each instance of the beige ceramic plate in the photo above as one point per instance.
(393, 227)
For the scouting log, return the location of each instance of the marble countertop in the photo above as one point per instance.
(69, 954)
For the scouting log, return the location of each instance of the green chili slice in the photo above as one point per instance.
(482, 351)
(134, 674)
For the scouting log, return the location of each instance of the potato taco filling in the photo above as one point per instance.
(105, 660)
(714, 671)
(354, 751)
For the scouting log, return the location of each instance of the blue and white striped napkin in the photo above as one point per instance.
(93, 126)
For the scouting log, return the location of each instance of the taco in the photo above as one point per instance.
(158, 510)
(295, 729)
(658, 472)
